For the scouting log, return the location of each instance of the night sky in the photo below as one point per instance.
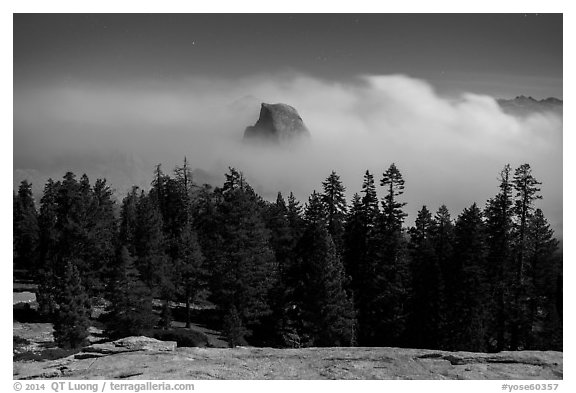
(114, 95)
(498, 54)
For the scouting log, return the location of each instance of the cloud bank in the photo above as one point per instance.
(450, 150)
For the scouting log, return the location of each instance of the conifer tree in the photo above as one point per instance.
(393, 184)
(427, 319)
(280, 234)
(207, 221)
(355, 243)
(366, 254)
(47, 218)
(158, 192)
(442, 238)
(69, 223)
(392, 219)
(185, 181)
(129, 220)
(315, 212)
(76, 220)
(130, 300)
(327, 311)
(443, 235)
(370, 198)
(469, 329)
(85, 190)
(233, 327)
(298, 328)
(526, 188)
(156, 269)
(175, 213)
(360, 228)
(151, 258)
(26, 231)
(189, 267)
(283, 244)
(545, 319)
(287, 226)
(180, 258)
(334, 201)
(499, 215)
(48, 250)
(183, 273)
(244, 269)
(294, 216)
(391, 271)
(72, 317)
(67, 232)
(443, 243)
(101, 237)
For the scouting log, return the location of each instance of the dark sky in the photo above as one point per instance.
(497, 54)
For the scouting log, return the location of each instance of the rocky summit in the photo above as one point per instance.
(278, 123)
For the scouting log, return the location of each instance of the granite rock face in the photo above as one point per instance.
(305, 363)
(278, 123)
(131, 344)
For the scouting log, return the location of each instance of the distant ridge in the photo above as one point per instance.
(522, 105)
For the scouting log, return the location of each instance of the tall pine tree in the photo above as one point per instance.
(427, 320)
(355, 243)
(26, 230)
(102, 235)
(391, 271)
(527, 191)
(130, 312)
(190, 269)
(442, 238)
(334, 201)
(499, 215)
(72, 317)
(326, 310)
(545, 320)
(468, 326)
(151, 259)
(545, 316)
(244, 269)
(48, 249)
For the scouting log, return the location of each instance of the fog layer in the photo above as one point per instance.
(450, 150)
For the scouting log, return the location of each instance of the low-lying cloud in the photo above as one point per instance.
(449, 149)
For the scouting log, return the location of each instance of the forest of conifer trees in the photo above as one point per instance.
(288, 274)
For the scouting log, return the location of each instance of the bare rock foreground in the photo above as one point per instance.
(145, 358)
